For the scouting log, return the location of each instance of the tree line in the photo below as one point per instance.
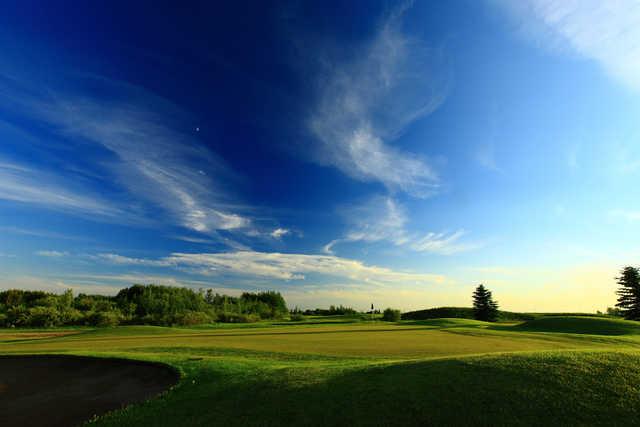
(137, 305)
(166, 305)
(331, 311)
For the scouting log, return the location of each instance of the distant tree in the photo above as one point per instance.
(629, 293)
(391, 315)
(484, 307)
(614, 311)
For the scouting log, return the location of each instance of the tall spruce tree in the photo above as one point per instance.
(484, 307)
(629, 293)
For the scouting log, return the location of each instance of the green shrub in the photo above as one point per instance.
(190, 318)
(391, 315)
(103, 318)
(297, 317)
(71, 316)
(237, 318)
(44, 317)
(17, 316)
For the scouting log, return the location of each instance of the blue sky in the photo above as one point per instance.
(365, 152)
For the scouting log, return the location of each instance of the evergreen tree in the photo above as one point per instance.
(629, 293)
(484, 307)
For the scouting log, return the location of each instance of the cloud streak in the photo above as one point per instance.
(384, 219)
(604, 31)
(368, 101)
(279, 266)
(151, 152)
(52, 254)
(22, 184)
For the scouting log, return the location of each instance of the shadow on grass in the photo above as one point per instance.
(575, 325)
(318, 322)
(447, 323)
(541, 389)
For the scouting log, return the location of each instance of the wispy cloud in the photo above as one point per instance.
(117, 281)
(40, 233)
(152, 152)
(442, 243)
(604, 31)
(368, 101)
(280, 266)
(52, 254)
(22, 184)
(384, 219)
(156, 162)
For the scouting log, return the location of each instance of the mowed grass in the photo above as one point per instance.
(435, 372)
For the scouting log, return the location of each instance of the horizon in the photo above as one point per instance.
(393, 153)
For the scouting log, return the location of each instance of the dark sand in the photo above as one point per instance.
(67, 391)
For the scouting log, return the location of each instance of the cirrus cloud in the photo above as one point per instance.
(606, 32)
(280, 266)
(366, 102)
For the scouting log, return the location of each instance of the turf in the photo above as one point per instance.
(582, 325)
(565, 370)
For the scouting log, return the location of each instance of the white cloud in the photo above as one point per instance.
(384, 219)
(328, 248)
(604, 31)
(150, 152)
(123, 260)
(52, 254)
(198, 240)
(368, 101)
(279, 266)
(156, 162)
(19, 183)
(278, 233)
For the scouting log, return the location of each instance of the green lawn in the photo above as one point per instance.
(556, 370)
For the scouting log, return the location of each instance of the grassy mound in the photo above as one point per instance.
(459, 313)
(581, 325)
(570, 388)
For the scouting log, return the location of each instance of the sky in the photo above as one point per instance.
(356, 153)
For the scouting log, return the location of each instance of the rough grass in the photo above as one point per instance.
(434, 372)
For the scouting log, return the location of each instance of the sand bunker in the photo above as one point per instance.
(67, 391)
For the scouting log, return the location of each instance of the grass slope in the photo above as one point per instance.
(582, 325)
(433, 372)
(461, 313)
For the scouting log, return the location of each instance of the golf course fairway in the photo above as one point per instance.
(555, 370)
